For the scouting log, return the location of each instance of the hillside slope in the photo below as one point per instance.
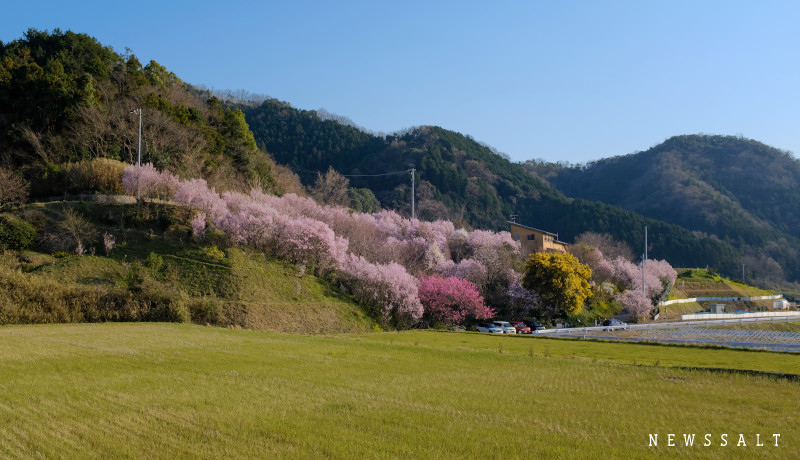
(462, 180)
(154, 272)
(64, 97)
(738, 190)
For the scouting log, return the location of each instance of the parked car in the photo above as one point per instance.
(613, 324)
(521, 327)
(536, 325)
(505, 326)
(489, 327)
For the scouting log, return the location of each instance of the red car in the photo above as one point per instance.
(521, 327)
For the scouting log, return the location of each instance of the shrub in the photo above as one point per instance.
(100, 175)
(214, 253)
(154, 262)
(15, 233)
(108, 242)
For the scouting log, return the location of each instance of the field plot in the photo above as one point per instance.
(768, 335)
(170, 390)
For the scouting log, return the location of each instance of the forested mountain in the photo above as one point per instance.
(464, 181)
(66, 98)
(741, 191)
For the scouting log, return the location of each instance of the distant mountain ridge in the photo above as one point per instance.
(464, 181)
(739, 190)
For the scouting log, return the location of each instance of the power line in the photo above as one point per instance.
(393, 173)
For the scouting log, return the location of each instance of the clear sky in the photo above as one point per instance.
(557, 80)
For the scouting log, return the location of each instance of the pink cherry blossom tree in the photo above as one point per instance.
(637, 303)
(199, 226)
(147, 182)
(467, 269)
(389, 289)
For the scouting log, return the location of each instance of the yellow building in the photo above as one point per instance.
(535, 240)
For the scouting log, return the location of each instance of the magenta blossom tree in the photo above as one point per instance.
(452, 300)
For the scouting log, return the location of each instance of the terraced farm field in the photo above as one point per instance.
(693, 283)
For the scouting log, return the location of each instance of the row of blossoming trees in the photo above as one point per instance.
(404, 269)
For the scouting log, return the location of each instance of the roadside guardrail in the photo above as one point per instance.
(580, 331)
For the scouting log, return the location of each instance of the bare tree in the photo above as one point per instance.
(286, 181)
(13, 189)
(331, 189)
(610, 248)
(74, 228)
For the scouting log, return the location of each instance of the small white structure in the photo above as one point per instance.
(780, 304)
(717, 308)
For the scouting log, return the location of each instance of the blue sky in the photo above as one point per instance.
(561, 81)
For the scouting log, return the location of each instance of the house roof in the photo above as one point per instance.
(539, 230)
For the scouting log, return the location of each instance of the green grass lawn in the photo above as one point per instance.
(145, 390)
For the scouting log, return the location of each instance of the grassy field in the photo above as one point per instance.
(154, 390)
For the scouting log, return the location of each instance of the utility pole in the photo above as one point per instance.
(413, 214)
(139, 154)
(645, 242)
(643, 257)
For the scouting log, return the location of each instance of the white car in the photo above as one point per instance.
(613, 324)
(505, 326)
(489, 327)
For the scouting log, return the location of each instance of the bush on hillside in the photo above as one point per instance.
(34, 300)
(98, 175)
(15, 233)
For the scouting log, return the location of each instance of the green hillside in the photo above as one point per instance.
(64, 97)
(462, 180)
(155, 272)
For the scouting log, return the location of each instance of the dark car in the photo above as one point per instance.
(536, 325)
